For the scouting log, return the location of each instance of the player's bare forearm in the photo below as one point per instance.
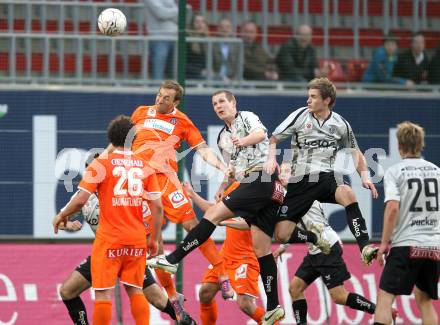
(272, 148)
(211, 158)
(157, 213)
(235, 224)
(361, 166)
(391, 215)
(255, 137)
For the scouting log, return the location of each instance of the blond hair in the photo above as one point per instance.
(326, 89)
(172, 84)
(411, 138)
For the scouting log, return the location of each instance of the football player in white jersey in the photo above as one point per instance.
(412, 225)
(81, 278)
(318, 134)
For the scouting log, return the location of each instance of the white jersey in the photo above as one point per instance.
(414, 182)
(315, 145)
(90, 212)
(316, 215)
(244, 158)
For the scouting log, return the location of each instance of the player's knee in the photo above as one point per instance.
(245, 304)
(295, 291)
(347, 193)
(338, 297)
(205, 295)
(65, 293)
(281, 236)
(212, 215)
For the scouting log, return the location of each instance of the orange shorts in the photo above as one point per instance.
(112, 261)
(242, 274)
(177, 206)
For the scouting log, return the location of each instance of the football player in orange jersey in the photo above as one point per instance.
(160, 130)
(81, 278)
(240, 263)
(121, 180)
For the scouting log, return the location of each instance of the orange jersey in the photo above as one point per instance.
(237, 245)
(158, 136)
(120, 180)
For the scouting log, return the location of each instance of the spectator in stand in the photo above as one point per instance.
(297, 59)
(434, 67)
(196, 51)
(161, 17)
(258, 64)
(380, 68)
(412, 64)
(225, 54)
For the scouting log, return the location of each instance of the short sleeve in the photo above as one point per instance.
(193, 135)
(252, 122)
(349, 140)
(136, 115)
(287, 127)
(93, 176)
(392, 192)
(151, 186)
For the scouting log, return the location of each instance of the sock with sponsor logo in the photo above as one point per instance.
(198, 235)
(299, 308)
(77, 311)
(357, 225)
(258, 314)
(208, 313)
(168, 309)
(358, 302)
(140, 309)
(209, 250)
(102, 313)
(302, 236)
(166, 281)
(268, 272)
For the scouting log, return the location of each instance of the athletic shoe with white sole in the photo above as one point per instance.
(369, 253)
(322, 242)
(272, 316)
(160, 262)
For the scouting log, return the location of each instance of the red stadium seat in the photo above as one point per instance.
(355, 69)
(334, 68)
(404, 37)
(20, 62)
(4, 61)
(278, 35)
(3, 25)
(341, 37)
(370, 37)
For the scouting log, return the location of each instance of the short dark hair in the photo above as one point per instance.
(118, 129)
(390, 37)
(172, 84)
(91, 157)
(229, 95)
(326, 89)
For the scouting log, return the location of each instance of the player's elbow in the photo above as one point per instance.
(392, 208)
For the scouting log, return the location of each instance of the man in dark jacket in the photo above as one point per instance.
(297, 59)
(412, 64)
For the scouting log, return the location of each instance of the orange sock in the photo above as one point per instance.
(258, 314)
(102, 313)
(167, 282)
(140, 309)
(209, 250)
(208, 313)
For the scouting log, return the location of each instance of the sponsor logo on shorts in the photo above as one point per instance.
(125, 251)
(177, 199)
(241, 272)
(284, 209)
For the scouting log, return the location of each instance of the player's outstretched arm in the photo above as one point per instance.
(362, 169)
(211, 158)
(157, 213)
(390, 218)
(197, 199)
(240, 224)
(75, 204)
